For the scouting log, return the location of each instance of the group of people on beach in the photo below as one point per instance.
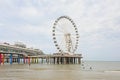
(83, 67)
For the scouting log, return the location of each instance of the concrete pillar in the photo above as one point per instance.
(15, 60)
(49, 60)
(24, 60)
(18, 59)
(3, 57)
(69, 60)
(56, 60)
(28, 60)
(32, 60)
(11, 58)
(46, 60)
(74, 60)
(64, 60)
(79, 61)
(59, 60)
(0, 58)
(36, 59)
(42, 60)
(7, 59)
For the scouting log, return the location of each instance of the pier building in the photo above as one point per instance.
(17, 52)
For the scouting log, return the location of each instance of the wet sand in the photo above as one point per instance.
(54, 72)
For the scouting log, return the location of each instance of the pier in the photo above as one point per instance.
(56, 59)
(15, 54)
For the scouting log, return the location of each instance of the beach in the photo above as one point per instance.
(99, 71)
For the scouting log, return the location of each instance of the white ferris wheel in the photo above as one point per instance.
(65, 35)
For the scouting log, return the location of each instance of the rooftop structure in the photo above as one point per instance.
(19, 48)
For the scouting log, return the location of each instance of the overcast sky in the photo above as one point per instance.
(31, 21)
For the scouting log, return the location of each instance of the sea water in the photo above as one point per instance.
(87, 70)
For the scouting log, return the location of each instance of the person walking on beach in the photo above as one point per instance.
(90, 68)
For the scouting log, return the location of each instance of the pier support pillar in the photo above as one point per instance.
(59, 60)
(64, 60)
(74, 60)
(0, 58)
(55, 60)
(32, 60)
(18, 59)
(69, 60)
(29, 60)
(7, 60)
(11, 58)
(3, 57)
(24, 60)
(79, 61)
(37, 60)
(42, 60)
